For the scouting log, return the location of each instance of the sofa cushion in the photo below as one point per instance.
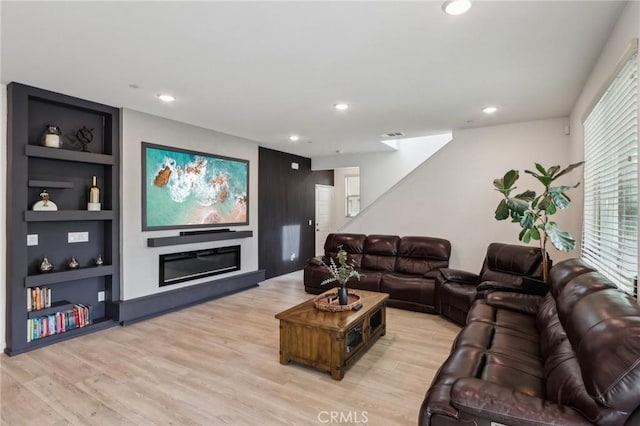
(408, 287)
(422, 255)
(511, 260)
(380, 252)
(604, 329)
(353, 244)
(564, 272)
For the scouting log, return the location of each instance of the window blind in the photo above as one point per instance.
(610, 226)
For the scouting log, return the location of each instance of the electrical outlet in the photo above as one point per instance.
(77, 237)
(32, 240)
(101, 296)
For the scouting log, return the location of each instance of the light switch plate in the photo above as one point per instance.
(32, 240)
(77, 237)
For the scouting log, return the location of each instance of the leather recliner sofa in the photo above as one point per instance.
(507, 264)
(403, 267)
(571, 357)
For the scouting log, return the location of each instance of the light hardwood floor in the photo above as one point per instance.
(217, 364)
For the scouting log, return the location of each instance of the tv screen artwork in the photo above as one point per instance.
(184, 189)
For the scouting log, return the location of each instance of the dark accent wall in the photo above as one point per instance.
(286, 203)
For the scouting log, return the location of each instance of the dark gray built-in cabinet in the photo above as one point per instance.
(66, 174)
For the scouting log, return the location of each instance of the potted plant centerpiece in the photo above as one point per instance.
(341, 274)
(533, 211)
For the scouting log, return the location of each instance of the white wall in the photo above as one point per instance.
(380, 171)
(627, 28)
(339, 218)
(139, 262)
(451, 195)
(3, 210)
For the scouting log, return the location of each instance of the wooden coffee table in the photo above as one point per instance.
(331, 341)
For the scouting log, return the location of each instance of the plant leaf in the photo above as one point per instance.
(541, 169)
(569, 168)
(517, 205)
(559, 199)
(528, 220)
(552, 171)
(502, 211)
(535, 234)
(526, 237)
(560, 239)
(510, 178)
(527, 196)
(544, 202)
(545, 180)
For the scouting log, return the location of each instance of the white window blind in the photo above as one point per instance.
(610, 227)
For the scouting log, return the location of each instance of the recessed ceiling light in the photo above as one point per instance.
(294, 138)
(164, 97)
(456, 7)
(489, 109)
(341, 106)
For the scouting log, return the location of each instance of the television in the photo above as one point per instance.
(190, 189)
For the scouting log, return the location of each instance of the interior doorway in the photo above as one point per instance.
(324, 216)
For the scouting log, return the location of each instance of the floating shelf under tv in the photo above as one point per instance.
(199, 238)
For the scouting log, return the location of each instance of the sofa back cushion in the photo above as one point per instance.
(422, 255)
(353, 244)
(380, 252)
(564, 272)
(604, 330)
(563, 376)
(509, 263)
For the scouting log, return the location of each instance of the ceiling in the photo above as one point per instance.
(265, 70)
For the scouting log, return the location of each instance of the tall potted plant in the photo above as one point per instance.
(533, 212)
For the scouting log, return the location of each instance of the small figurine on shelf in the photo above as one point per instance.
(99, 260)
(45, 265)
(84, 136)
(45, 203)
(73, 263)
(94, 195)
(52, 136)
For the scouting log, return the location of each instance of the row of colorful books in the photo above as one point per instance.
(38, 298)
(79, 316)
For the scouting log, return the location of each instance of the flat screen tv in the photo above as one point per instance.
(190, 189)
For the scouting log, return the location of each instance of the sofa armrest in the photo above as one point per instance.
(500, 404)
(499, 286)
(459, 276)
(528, 286)
(526, 303)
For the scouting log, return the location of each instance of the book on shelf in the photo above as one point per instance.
(59, 322)
(38, 298)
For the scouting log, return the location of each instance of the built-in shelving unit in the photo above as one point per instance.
(197, 238)
(65, 173)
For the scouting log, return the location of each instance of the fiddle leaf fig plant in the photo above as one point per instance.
(533, 211)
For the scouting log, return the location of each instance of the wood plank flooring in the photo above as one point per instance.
(217, 363)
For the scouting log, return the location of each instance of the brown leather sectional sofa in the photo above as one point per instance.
(571, 357)
(403, 267)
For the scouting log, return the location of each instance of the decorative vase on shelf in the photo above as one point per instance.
(99, 260)
(45, 204)
(73, 263)
(94, 195)
(52, 136)
(45, 265)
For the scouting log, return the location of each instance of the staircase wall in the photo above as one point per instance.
(451, 194)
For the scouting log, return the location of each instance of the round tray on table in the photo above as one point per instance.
(329, 302)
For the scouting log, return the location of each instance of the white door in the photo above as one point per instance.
(324, 207)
